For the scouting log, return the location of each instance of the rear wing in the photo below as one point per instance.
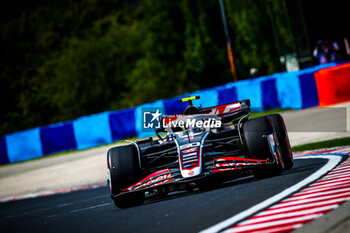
(224, 109)
(227, 112)
(231, 110)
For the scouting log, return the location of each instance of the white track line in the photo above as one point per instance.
(333, 161)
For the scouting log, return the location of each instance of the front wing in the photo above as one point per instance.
(171, 179)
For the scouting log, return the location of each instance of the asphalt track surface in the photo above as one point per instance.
(93, 210)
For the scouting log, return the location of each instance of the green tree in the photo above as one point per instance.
(252, 37)
(64, 59)
(89, 76)
(158, 72)
(32, 34)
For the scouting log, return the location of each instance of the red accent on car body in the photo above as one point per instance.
(224, 108)
(238, 162)
(189, 150)
(158, 174)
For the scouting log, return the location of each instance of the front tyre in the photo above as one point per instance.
(283, 139)
(123, 170)
(255, 132)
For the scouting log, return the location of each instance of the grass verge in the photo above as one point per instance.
(323, 144)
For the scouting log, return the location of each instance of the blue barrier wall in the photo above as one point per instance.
(208, 98)
(283, 90)
(173, 106)
(250, 89)
(227, 94)
(288, 90)
(3, 151)
(24, 145)
(308, 85)
(122, 124)
(93, 130)
(58, 137)
(270, 96)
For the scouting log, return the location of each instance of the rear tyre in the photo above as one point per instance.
(254, 132)
(123, 169)
(283, 139)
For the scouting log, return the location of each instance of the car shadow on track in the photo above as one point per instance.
(179, 194)
(298, 168)
(303, 168)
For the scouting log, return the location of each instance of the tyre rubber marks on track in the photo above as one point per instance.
(317, 199)
(50, 192)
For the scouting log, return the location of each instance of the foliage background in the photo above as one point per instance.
(62, 59)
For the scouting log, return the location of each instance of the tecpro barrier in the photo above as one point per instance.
(316, 86)
(92, 130)
(24, 145)
(58, 137)
(333, 84)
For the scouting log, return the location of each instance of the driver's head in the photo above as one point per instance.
(191, 110)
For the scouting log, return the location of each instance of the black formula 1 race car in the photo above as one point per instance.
(196, 150)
